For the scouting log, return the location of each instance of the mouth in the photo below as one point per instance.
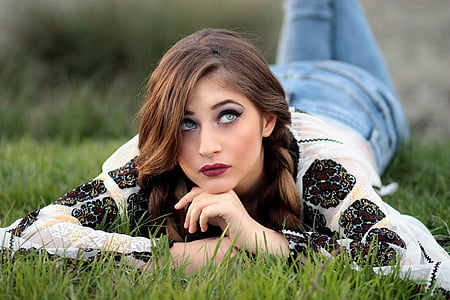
(214, 170)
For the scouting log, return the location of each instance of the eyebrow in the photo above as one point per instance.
(215, 106)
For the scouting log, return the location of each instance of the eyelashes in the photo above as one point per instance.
(224, 117)
(228, 116)
(188, 124)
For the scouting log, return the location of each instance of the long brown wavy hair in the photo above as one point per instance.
(245, 71)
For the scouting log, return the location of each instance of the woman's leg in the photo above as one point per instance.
(327, 29)
(306, 31)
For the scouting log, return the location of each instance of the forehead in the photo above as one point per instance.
(211, 89)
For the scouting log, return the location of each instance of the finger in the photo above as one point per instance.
(203, 219)
(191, 222)
(198, 204)
(212, 211)
(186, 199)
(193, 214)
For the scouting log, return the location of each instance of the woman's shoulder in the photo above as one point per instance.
(322, 138)
(122, 155)
(308, 127)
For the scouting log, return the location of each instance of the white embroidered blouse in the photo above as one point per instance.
(337, 180)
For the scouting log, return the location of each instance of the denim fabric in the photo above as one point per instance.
(329, 64)
(350, 95)
(330, 30)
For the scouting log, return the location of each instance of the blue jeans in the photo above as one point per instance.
(329, 64)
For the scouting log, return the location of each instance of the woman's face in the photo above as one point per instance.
(222, 131)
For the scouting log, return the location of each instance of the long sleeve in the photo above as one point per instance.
(77, 224)
(343, 210)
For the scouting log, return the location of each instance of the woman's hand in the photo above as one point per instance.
(227, 211)
(224, 210)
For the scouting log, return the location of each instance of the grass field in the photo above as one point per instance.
(35, 173)
(72, 80)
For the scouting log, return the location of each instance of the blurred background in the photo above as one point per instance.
(77, 69)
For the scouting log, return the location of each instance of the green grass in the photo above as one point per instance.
(423, 172)
(72, 75)
(35, 173)
(104, 38)
(238, 278)
(77, 69)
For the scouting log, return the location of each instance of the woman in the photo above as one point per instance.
(222, 162)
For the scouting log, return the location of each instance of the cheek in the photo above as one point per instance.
(248, 144)
(185, 156)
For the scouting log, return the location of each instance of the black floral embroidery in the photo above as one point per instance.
(315, 220)
(92, 255)
(85, 256)
(318, 241)
(357, 219)
(137, 210)
(386, 254)
(354, 249)
(375, 254)
(326, 183)
(126, 176)
(97, 212)
(84, 192)
(144, 256)
(300, 242)
(25, 222)
(137, 205)
(385, 235)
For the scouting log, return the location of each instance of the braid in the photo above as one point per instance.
(287, 188)
(280, 204)
(161, 199)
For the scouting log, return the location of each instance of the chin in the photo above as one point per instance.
(216, 188)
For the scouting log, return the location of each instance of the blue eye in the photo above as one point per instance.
(188, 125)
(228, 117)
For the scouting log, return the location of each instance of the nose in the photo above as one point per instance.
(209, 142)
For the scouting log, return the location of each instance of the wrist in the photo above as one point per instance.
(196, 254)
(264, 240)
(178, 253)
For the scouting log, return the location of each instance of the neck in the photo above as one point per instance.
(251, 197)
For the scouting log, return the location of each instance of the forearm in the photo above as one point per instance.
(227, 211)
(196, 254)
(263, 240)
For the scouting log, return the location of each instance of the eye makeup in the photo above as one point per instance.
(228, 112)
(228, 116)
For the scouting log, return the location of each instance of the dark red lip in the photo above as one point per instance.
(214, 169)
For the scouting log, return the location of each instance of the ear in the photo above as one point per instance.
(269, 122)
